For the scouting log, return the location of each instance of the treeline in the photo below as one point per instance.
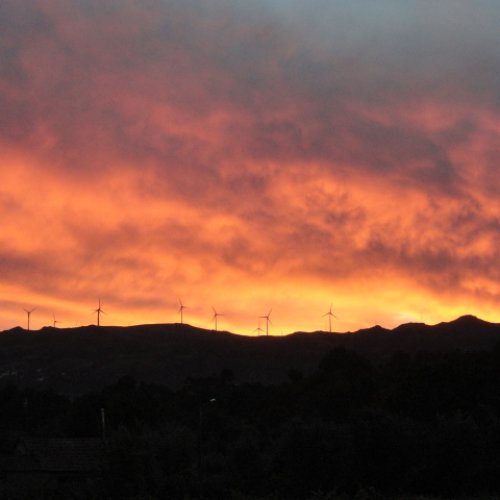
(427, 424)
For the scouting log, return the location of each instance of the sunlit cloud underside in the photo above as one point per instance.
(249, 156)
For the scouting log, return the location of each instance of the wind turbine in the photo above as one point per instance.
(28, 312)
(215, 316)
(258, 330)
(55, 320)
(330, 315)
(99, 311)
(268, 320)
(181, 309)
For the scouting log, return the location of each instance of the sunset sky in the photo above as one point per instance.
(249, 155)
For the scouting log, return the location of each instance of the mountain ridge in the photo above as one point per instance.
(76, 360)
(467, 319)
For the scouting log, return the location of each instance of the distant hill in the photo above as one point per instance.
(78, 360)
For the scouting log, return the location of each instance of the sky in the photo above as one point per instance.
(249, 156)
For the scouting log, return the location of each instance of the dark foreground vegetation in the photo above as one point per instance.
(421, 425)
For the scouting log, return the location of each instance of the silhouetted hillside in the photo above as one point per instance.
(81, 359)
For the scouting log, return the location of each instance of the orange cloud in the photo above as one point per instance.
(237, 158)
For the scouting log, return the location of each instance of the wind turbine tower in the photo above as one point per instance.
(55, 320)
(330, 316)
(215, 316)
(181, 309)
(268, 320)
(99, 311)
(28, 312)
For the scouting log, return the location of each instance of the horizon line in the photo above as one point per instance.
(218, 332)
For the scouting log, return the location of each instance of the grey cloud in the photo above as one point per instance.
(304, 72)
